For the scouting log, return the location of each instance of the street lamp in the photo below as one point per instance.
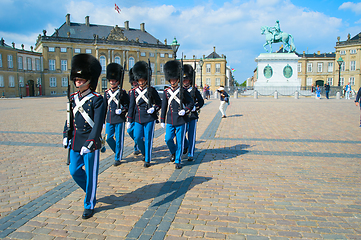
(339, 61)
(175, 45)
(201, 65)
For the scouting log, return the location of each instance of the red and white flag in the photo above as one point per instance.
(117, 9)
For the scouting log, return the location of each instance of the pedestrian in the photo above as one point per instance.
(318, 92)
(116, 102)
(208, 92)
(224, 97)
(357, 101)
(205, 91)
(88, 117)
(143, 108)
(176, 105)
(348, 91)
(191, 127)
(130, 130)
(327, 90)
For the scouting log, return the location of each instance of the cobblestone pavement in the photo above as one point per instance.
(273, 169)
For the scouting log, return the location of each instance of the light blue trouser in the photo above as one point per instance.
(191, 142)
(131, 134)
(146, 131)
(87, 179)
(179, 132)
(116, 144)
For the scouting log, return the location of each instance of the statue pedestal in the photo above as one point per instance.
(277, 72)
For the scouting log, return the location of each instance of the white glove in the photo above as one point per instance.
(162, 125)
(118, 111)
(182, 112)
(128, 125)
(65, 142)
(150, 110)
(103, 126)
(84, 150)
(194, 109)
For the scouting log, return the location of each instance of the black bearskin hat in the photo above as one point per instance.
(114, 71)
(131, 76)
(172, 70)
(140, 70)
(188, 72)
(87, 67)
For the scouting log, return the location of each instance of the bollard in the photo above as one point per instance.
(235, 94)
(255, 94)
(338, 95)
(276, 95)
(297, 95)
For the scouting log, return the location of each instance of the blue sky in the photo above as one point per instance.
(233, 27)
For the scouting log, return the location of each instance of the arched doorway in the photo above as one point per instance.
(319, 83)
(31, 88)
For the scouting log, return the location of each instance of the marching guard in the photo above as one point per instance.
(189, 85)
(88, 112)
(116, 101)
(130, 130)
(144, 105)
(176, 105)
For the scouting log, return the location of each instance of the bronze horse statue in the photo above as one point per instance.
(274, 37)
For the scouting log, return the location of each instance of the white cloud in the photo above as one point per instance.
(354, 7)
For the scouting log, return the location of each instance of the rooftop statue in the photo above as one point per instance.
(275, 35)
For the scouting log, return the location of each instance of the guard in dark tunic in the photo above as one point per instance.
(116, 111)
(88, 117)
(144, 105)
(175, 110)
(188, 83)
(130, 130)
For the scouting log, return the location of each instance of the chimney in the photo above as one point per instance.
(126, 25)
(165, 41)
(87, 21)
(68, 19)
(194, 56)
(142, 27)
(214, 49)
(318, 52)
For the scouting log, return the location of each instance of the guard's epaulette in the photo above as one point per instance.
(96, 94)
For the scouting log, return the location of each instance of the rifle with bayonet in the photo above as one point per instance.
(181, 89)
(69, 123)
(120, 95)
(149, 95)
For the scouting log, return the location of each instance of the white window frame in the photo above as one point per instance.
(309, 67)
(330, 67)
(21, 81)
(2, 81)
(208, 68)
(131, 62)
(218, 69)
(152, 66)
(1, 60)
(343, 52)
(103, 63)
(11, 81)
(10, 61)
(117, 60)
(64, 81)
(77, 50)
(208, 81)
(51, 49)
(162, 68)
(352, 81)
(343, 65)
(63, 50)
(198, 81)
(218, 81)
(299, 67)
(20, 62)
(37, 64)
(162, 80)
(170, 55)
(353, 51)
(52, 82)
(162, 55)
(88, 51)
(330, 81)
(51, 64)
(38, 81)
(309, 82)
(342, 81)
(353, 66)
(64, 65)
(151, 54)
(319, 66)
(143, 54)
(29, 64)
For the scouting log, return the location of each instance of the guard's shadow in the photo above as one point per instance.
(235, 115)
(173, 189)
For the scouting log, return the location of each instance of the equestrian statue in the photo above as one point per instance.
(275, 35)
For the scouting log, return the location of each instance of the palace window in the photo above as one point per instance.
(52, 82)
(218, 68)
(11, 81)
(29, 63)
(51, 64)
(330, 67)
(151, 54)
(131, 62)
(343, 52)
(162, 80)
(162, 68)
(319, 67)
(88, 51)
(51, 49)
(342, 81)
(198, 81)
(10, 61)
(77, 50)
(143, 54)
(309, 81)
(64, 81)
(208, 81)
(20, 62)
(208, 68)
(330, 81)
(218, 81)
(63, 49)
(309, 67)
(162, 55)
(64, 65)
(1, 81)
(103, 63)
(353, 51)
(117, 60)
(353, 66)
(299, 67)
(21, 81)
(38, 81)
(104, 84)
(37, 64)
(170, 55)
(1, 60)
(352, 81)
(343, 67)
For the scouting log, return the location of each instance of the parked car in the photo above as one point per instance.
(160, 89)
